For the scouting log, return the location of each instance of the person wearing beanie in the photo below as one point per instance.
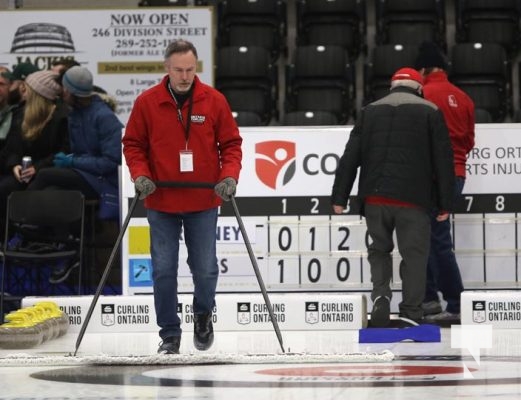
(78, 81)
(45, 83)
(443, 272)
(401, 149)
(41, 132)
(91, 163)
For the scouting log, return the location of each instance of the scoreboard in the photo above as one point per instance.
(299, 245)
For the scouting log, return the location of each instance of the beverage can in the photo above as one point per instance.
(27, 161)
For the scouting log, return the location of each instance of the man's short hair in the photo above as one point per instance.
(180, 46)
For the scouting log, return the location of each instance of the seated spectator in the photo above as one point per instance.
(6, 110)
(91, 166)
(17, 78)
(12, 90)
(41, 134)
(62, 65)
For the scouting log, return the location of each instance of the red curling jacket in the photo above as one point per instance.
(458, 109)
(154, 137)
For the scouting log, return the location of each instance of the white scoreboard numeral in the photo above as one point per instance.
(314, 205)
(469, 200)
(500, 203)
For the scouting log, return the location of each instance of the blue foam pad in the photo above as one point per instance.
(420, 333)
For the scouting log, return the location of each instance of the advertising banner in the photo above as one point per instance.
(123, 48)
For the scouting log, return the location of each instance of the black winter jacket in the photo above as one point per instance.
(402, 146)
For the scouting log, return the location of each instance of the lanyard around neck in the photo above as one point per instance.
(179, 112)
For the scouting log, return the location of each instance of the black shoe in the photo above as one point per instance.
(203, 331)
(59, 274)
(170, 345)
(380, 316)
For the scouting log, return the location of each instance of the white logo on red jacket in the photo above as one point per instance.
(198, 119)
(452, 101)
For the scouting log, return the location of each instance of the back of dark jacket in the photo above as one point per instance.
(402, 146)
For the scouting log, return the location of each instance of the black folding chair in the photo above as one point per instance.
(43, 228)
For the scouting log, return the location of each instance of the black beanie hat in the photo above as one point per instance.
(430, 56)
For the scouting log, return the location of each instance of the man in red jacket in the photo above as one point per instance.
(458, 110)
(182, 130)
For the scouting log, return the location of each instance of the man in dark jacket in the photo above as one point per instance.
(402, 146)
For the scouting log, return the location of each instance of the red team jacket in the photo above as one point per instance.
(458, 110)
(154, 137)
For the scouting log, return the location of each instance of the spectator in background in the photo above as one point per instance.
(17, 78)
(443, 273)
(6, 110)
(91, 164)
(62, 65)
(42, 133)
(15, 100)
(402, 147)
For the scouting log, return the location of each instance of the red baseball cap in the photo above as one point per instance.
(409, 74)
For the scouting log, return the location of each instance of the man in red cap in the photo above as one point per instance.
(402, 146)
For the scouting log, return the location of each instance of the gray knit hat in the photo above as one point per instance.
(78, 81)
(45, 83)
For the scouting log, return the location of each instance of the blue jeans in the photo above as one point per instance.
(199, 229)
(442, 268)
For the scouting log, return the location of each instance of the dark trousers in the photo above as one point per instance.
(62, 178)
(443, 272)
(412, 227)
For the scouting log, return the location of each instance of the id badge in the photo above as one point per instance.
(186, 161)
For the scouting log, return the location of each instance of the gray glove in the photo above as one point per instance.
(226, 188)
(144, 186)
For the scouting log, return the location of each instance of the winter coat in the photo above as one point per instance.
(458, 109)
(95, 141)
(154, 138)
(402, 147)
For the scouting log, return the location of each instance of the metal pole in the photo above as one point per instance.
(105, 275)
(206, 185)
(257, 273)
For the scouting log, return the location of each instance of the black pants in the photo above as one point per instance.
(62, 178)
(412, 226)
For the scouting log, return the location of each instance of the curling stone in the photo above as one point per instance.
(35, 317)
(20, 332)
(61, 317)
(47, 319)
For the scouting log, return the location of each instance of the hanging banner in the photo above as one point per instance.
(123, 48)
